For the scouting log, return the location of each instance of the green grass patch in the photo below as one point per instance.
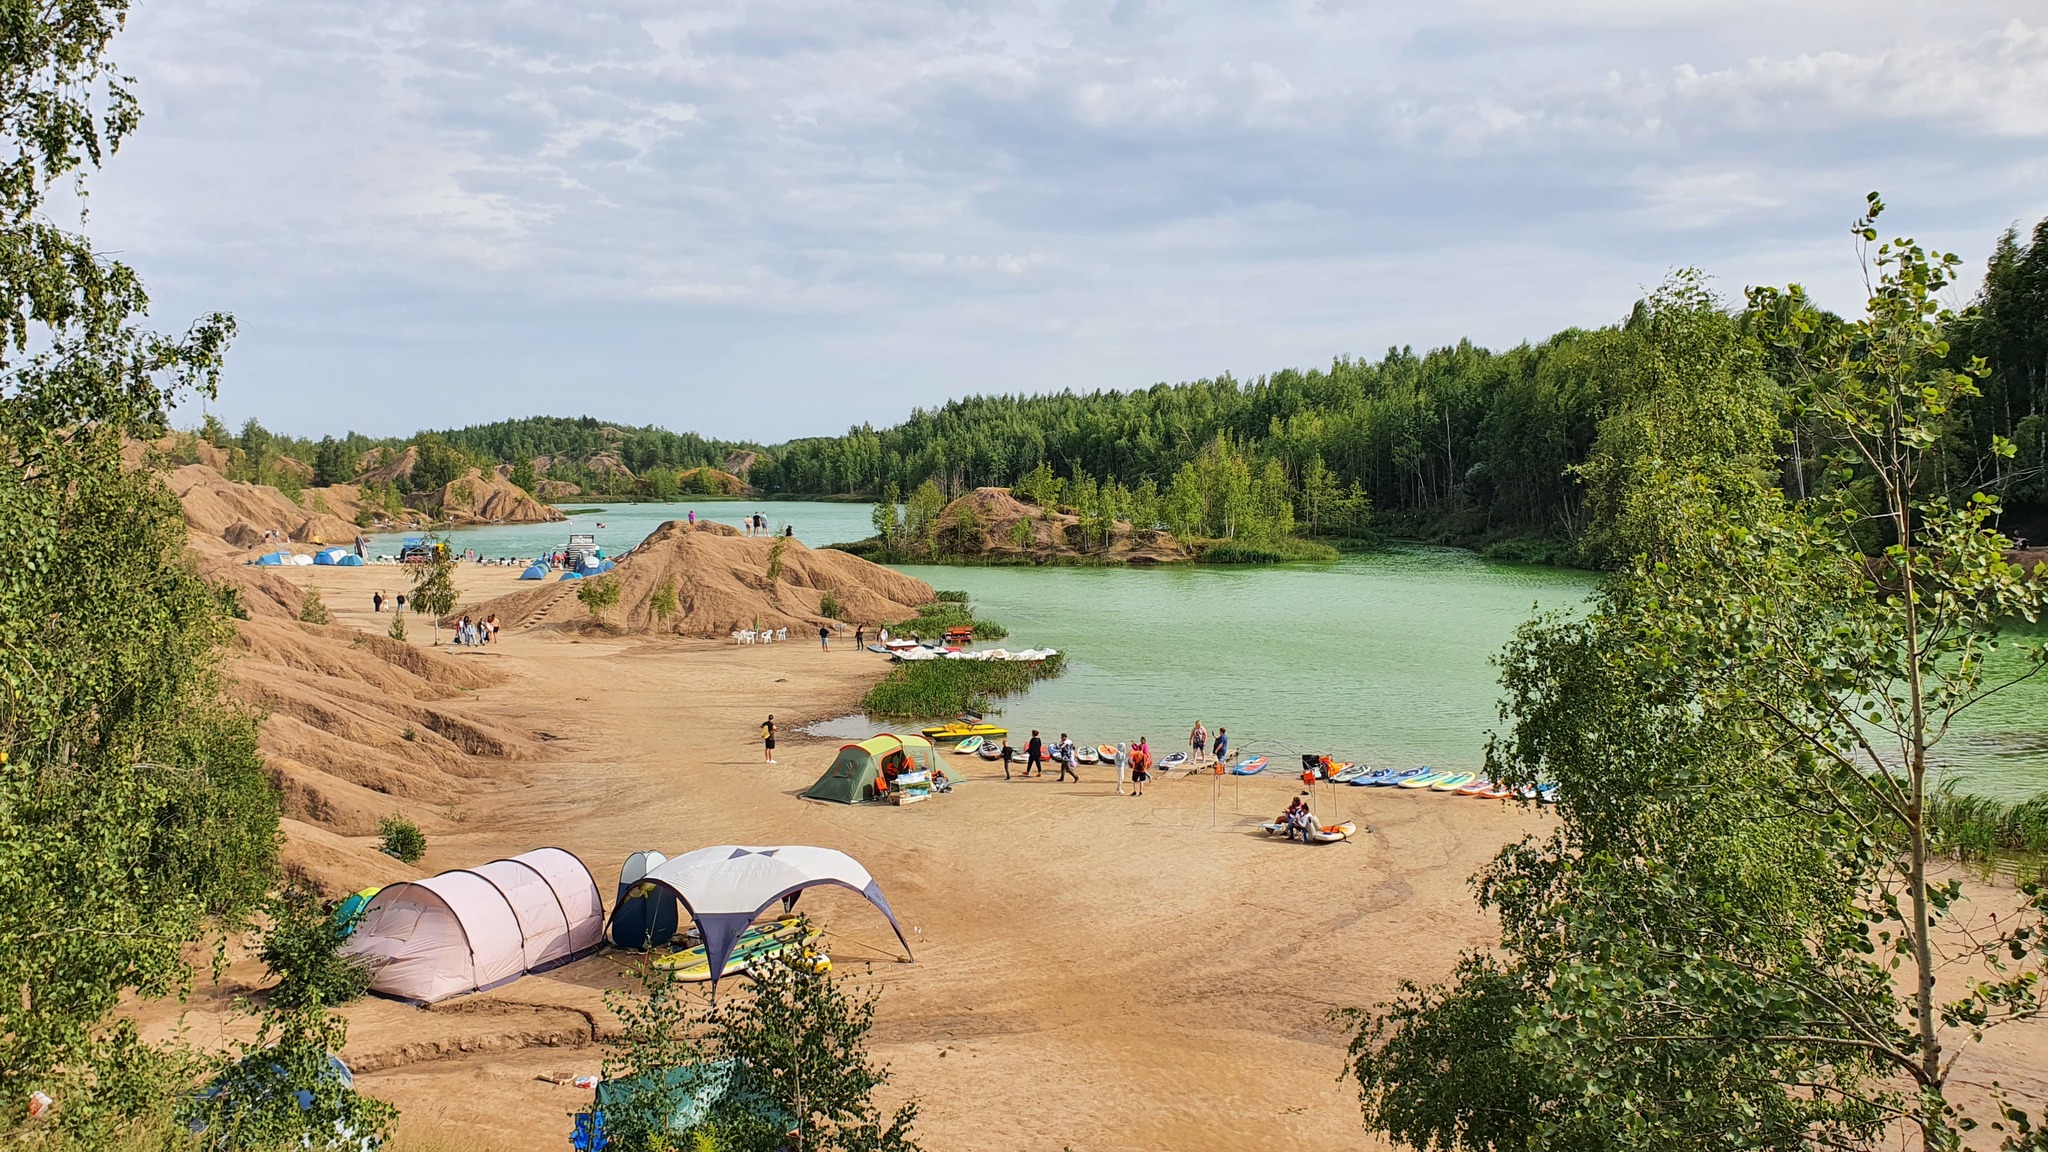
(935, 689)
(1288, 550)
(1978, 828)
(933, 619)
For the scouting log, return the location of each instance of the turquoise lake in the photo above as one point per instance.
(1384, 656)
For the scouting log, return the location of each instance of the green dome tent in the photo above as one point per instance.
(852, 776)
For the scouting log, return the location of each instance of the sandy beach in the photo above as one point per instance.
(1093, 971)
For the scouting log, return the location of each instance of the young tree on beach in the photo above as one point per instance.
(433, 584)
(1733, 937)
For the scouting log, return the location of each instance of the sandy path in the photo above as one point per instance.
(1093, 971)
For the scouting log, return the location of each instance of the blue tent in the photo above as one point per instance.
(572, 575)
(329, 556)
(349, 560)
(274, 559)
(535, 572)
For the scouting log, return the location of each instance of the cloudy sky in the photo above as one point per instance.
(764, 219)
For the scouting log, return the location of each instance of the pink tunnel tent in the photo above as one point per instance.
(477, 928)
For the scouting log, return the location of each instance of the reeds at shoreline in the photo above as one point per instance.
(935, 689)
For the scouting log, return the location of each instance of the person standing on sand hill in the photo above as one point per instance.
(693, 517)
(768, 739)
(1034, 755)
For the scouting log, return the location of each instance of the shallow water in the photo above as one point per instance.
(1384, 656)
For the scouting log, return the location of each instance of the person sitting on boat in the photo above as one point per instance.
(1286, 820)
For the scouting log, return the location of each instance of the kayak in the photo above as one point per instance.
(1251, 767)
(1422, 779)
(971, 744)
(1349, 773)
(1173, 761)
(1108, 751)
(1453, 781)
(756, 943)
(989, 751)
(961, 730)
(1477, 787)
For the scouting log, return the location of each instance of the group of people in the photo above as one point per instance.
(1299, 820)
(757, 525)
(476, 633)
(1198, 743)
(1133, 760)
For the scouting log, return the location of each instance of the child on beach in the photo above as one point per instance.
(1007, 753)
(768, 739)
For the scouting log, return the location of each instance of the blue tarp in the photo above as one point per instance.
(535, 572)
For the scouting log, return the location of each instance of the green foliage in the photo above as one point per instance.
(433, 584)
(934, 688)
(950, 596)
(1966, 827)
(256, 1102)
(523, 476)
(1039, 486)
(312, 610)
(1287, 550)
(829, 607)
(436, 465)
(135, 819)
(402, 839)
(663, 602)
(801, 1043)
(598, 594)
(933, 619)
(775, 552)
(332, 462)
(1731, 939)
(797, 1040)
(302, 949)
(921, 518)
(397, 629)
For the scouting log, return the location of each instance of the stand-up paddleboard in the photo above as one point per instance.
(1377, 778)
(1331, 833)
(971, 744)
(1424, 779)
(1348, 773)
(1453, 781)
(1251, 767)
(1087, 755)
(1475, 788)
(1173, 761)
(755, 944)
(1498, 791)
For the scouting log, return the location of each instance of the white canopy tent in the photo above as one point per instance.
(725, 887)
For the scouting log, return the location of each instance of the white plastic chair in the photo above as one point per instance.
(735, 637)
(782, 633)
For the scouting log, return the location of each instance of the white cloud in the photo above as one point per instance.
(859, 206)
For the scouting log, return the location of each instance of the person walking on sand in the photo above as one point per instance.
(1007, 753)
(1123, 765)
(377, 601)
(1064, 753)
(1198, 741)
(1034, 755)
(768, 739)
(824, 638)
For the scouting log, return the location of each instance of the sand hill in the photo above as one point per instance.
(983, 523)
(721, 583)
(478, 497)
(239, 514)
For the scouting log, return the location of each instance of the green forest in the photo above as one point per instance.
(1457, 445)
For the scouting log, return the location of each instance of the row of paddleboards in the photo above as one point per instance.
(1083, 753)
(1436, 780)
